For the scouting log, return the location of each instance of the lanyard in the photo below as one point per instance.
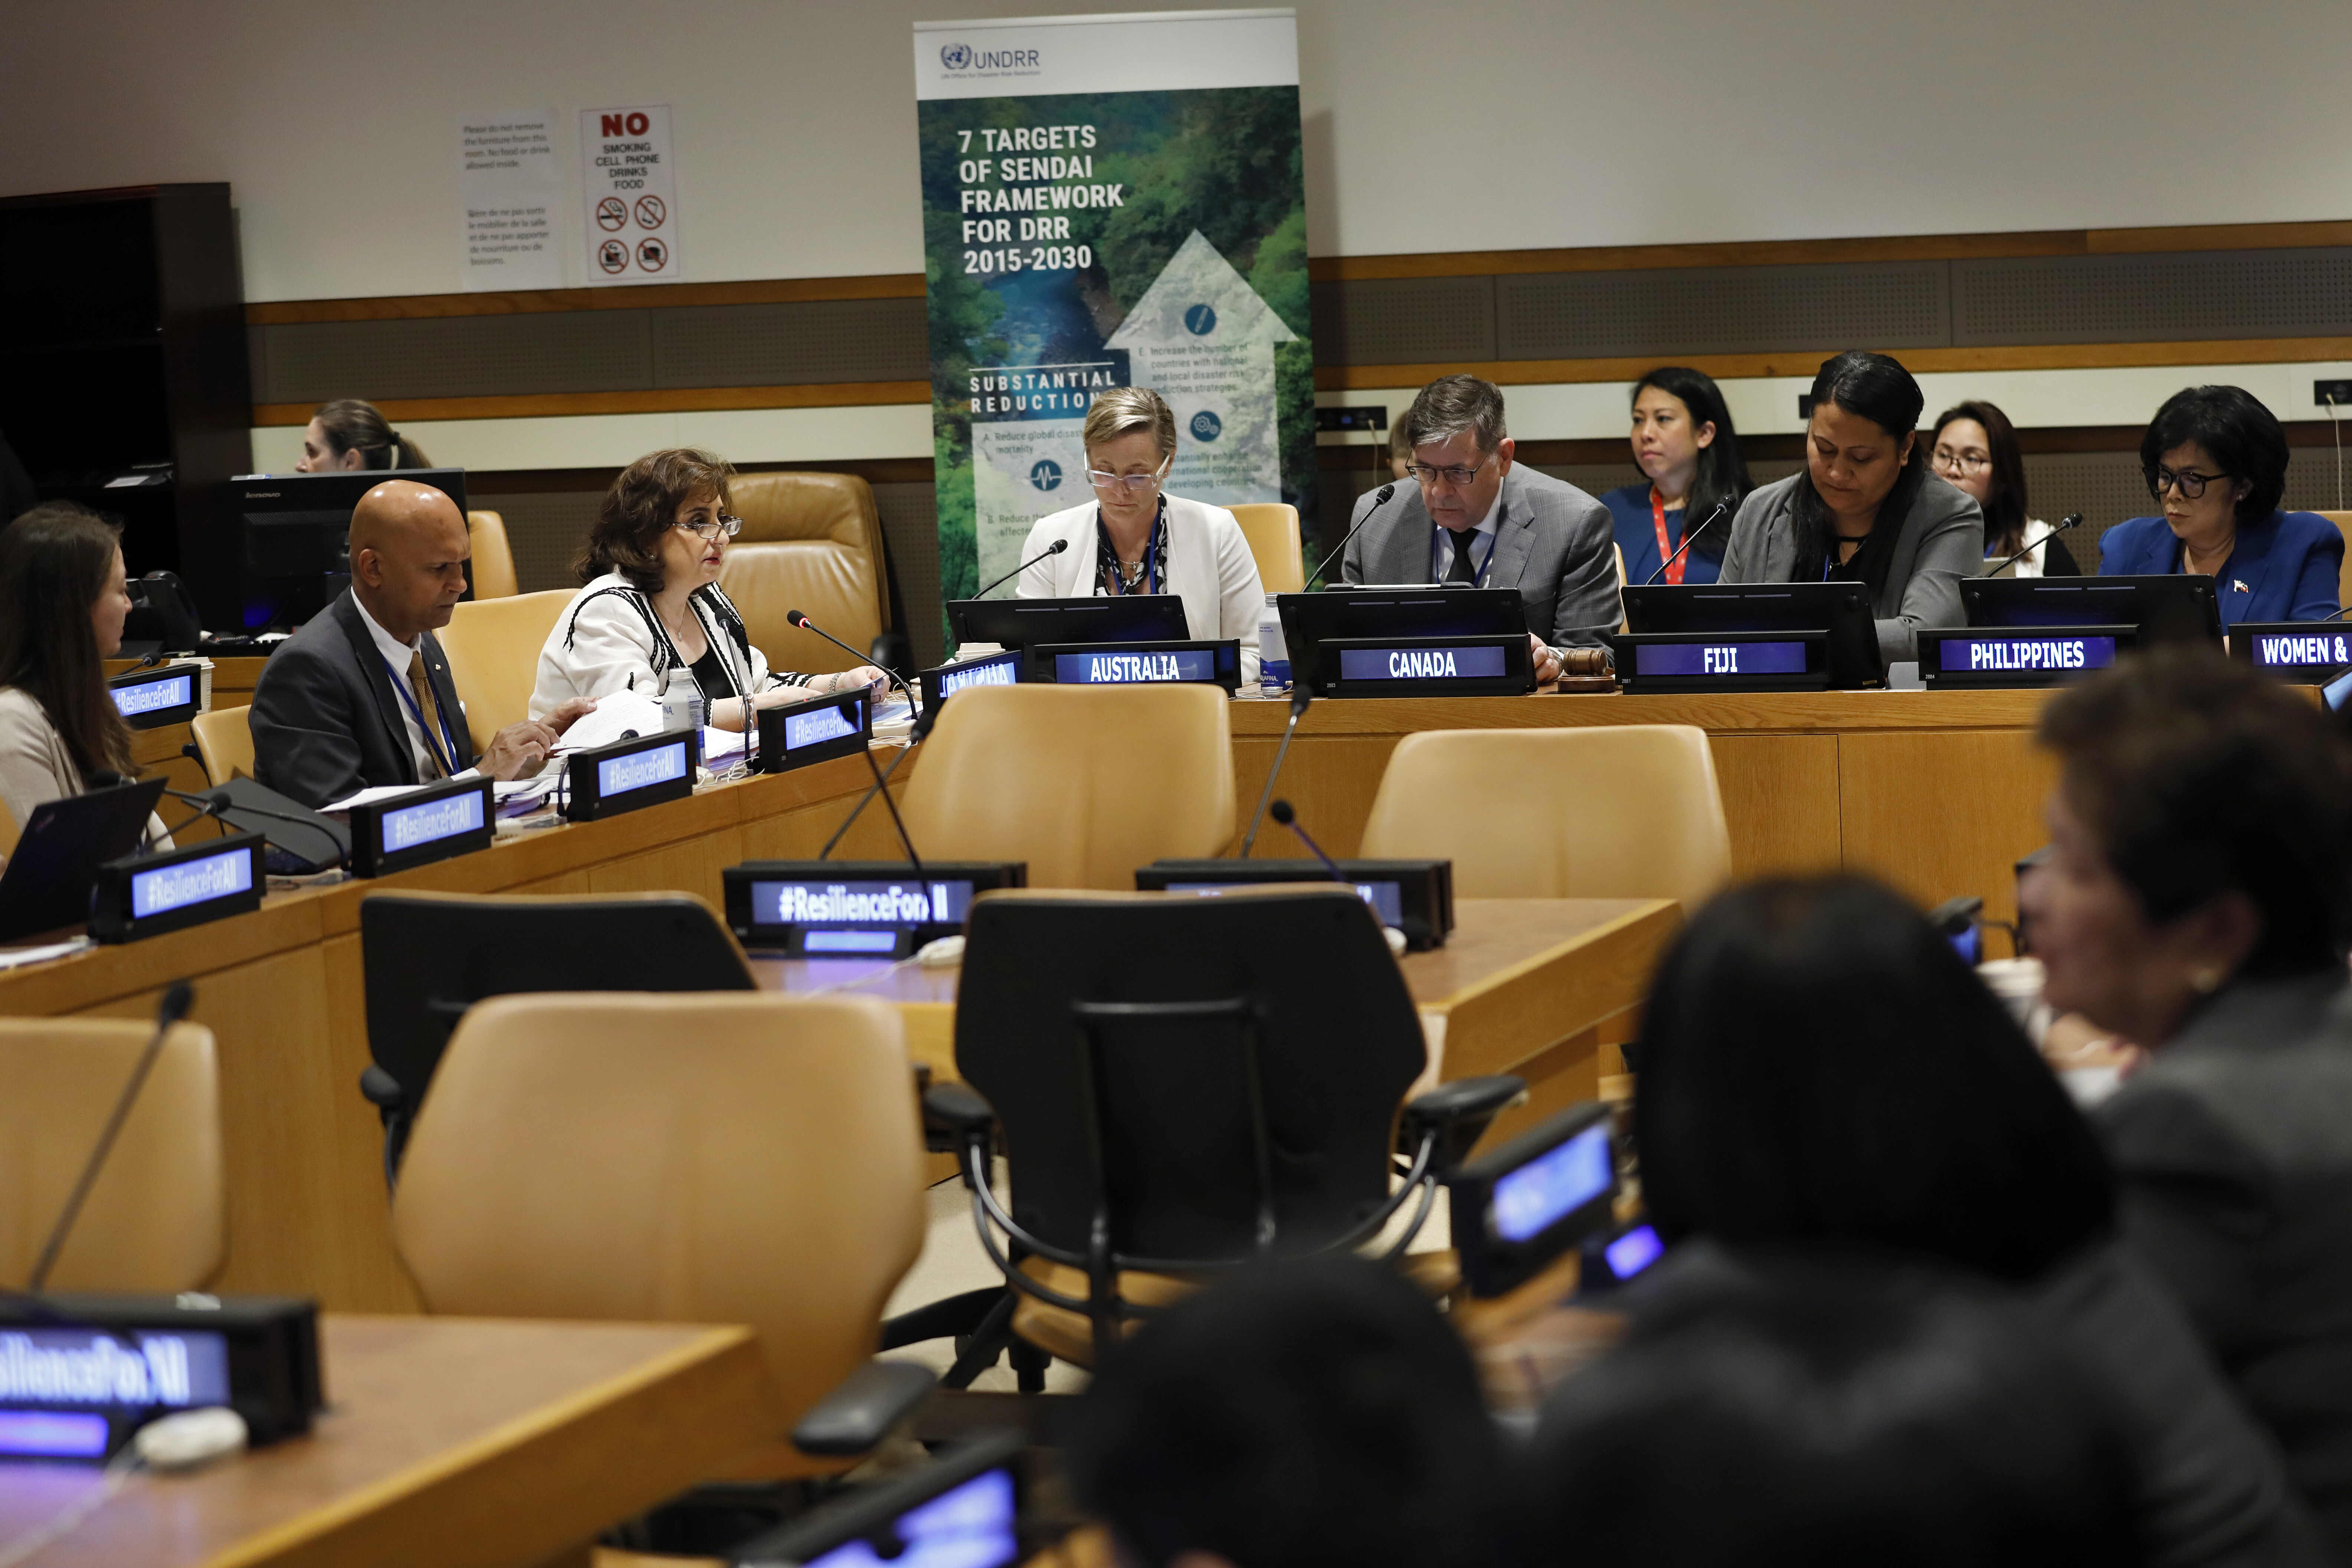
(1437, 541)
(447, 758)
(1674, 563)
(1151, 553)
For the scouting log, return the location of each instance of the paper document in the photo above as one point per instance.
(11, 958)
(615, 716)
(720, 746)
(371, 796)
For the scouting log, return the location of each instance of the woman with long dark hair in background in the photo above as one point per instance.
(1688, 453)
(1975, 451)
(1864, 508)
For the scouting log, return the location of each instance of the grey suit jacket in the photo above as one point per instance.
(2235, 1150)
(1552, 542)
(1942, 542)
(325, 721)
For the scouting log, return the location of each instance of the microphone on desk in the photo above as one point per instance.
(216, 802)
(794, 618)
(174, 1007)
(2071, 520)
(1280, 811)
(1388, 493)
(1054, 549)
(1299, 697)
(1688, 535)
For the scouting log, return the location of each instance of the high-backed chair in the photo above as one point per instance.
(494, 568)
(493, 647)
(8, 831)
(155, 1220)
(1084, 783)
(2343, 521)
(1168, 1117)
(430, 956)
(1613, 812)
(1272, 530)
(729, 1159)
(224, 742)
(810, 543)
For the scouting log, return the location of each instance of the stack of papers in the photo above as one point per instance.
(614, 717)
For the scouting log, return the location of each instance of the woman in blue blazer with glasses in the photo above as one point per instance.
(2216, 462)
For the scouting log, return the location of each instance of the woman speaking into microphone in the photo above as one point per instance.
(1135, 538)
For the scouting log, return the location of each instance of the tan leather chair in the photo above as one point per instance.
(494, 572)
(1084, 783)
(8, 831)
(1620, 585)
(156, 1217)
(225, 743)
(711, 1158)
(2343, 521)
(1272, 530)
(493, 649)
(1619, 812)
(810, 543)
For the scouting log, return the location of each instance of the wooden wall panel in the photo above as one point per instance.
(1331, 779)
(689, 865)
(1780, 801)
(1936, 815)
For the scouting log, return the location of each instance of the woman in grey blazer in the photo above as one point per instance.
(1864, 508)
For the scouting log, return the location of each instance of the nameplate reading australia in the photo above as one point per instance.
(1138, 664)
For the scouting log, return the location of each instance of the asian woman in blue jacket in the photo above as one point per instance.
(2216, 462)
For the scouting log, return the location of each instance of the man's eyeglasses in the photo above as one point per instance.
(1457, 476)
(2191, 483)
(1961, 462)
(1133, 484)
(709, 532)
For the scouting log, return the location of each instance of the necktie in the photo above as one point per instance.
(1464, 568)
(430, 713)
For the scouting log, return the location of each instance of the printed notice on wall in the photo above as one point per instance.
(509, 192)
(629, 176)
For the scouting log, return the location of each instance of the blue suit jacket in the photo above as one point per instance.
(1637, 536)
(2285, 568)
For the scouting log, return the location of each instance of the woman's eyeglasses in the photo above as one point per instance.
(2188, 481)
(709, 533)
(1133, 484)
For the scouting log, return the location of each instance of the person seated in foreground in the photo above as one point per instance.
(1475, 516)
(1297, 1415)
(360, 698)
(650, 602)
(1803, 1414)
(1821, 1074)
(2197, 902)
(2216, 460)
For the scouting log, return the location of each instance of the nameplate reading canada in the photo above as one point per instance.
(1430, 663)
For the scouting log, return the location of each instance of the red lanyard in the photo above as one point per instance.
(1658, 522)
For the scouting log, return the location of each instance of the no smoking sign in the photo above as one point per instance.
(630, 185)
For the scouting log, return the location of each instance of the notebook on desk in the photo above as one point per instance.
(47, 881)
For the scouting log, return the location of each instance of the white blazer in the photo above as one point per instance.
(608, 639)
(1210, 567)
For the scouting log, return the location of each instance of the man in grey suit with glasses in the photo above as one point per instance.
(1470, 514)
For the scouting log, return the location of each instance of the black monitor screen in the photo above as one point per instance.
(1021, 623)
(293, 534)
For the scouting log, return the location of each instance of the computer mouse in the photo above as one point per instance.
(188, 1438)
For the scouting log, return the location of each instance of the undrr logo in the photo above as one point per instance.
(1206, 426)
(1046, 474)
(1200, 320)
(956, 57)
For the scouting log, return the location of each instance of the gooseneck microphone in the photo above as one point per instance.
(216, 804)
(1299, 697)
(1688, 535)
(794, 618)
(1388, 493)
(1280, 811)
(173, 1009)
(1054, 549)
(2071, 520)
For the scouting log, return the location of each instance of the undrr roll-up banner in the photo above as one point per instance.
(1110, 201)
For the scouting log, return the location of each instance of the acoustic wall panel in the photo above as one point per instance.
(456, 356)
(2187, 296)
(791, 344)
(1721, 310)
(1404, 320)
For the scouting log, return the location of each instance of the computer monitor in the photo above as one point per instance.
(1350, 614)
(1019, 623)
(47, 883)
(292, 539)
(1842, 609)
(2176, 607)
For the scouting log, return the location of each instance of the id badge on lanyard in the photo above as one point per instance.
(1658, 522)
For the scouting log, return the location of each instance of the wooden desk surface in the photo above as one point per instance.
(451, 1441)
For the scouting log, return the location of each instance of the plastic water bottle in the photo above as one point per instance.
(1272, 653)
(681, 703)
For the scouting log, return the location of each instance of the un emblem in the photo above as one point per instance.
(956, 57)
(1046, 474)
(1206, 426)
(1200, 320)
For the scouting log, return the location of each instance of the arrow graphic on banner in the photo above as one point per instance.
(1203, 339)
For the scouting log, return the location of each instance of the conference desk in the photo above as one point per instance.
(1937, 792)
(465, 1443)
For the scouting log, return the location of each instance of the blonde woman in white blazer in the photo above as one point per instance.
(1133, 538)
